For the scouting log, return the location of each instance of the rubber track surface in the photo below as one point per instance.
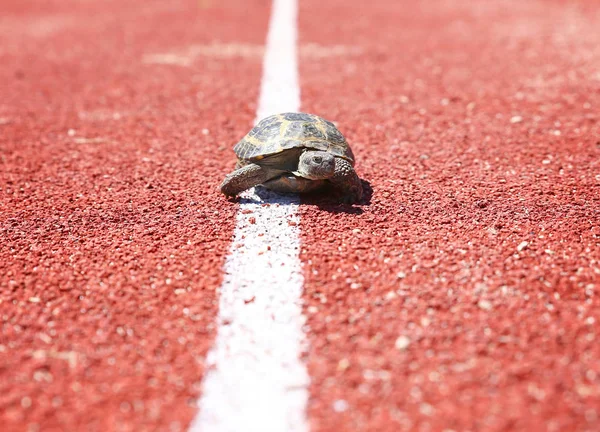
(113, 234)
(464, 296)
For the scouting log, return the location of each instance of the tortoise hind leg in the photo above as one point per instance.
(346, 180)
(246, 177)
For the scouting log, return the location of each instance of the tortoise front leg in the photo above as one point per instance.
(246, 177)
(346, 179)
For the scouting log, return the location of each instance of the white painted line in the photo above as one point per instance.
(256, 380)
(280, 90)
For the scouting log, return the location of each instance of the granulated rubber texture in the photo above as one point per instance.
(463, 295)
(114, 137)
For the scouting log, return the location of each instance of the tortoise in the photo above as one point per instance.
(294, 152)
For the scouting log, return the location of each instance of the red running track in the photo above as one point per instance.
(113, 234)
(465, 295)
(462, 296)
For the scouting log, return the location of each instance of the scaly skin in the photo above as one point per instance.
(246, 177)
(346, 180)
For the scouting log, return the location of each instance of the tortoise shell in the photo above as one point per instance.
(287, 131)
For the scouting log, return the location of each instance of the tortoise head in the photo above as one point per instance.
(316, 165)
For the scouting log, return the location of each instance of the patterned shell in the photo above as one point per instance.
(285, 131)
